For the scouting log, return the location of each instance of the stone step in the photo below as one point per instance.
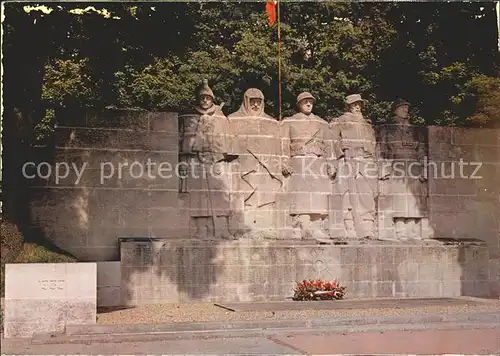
(484, 317)
(171, 331)
(267, 329)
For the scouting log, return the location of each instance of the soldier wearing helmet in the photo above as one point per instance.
(205, 147)
(356, 186)
(405, 146)
(205, 100)
(308, 153)
(399, 110)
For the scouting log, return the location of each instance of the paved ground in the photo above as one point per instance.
(429, 342)
(205, 347)
(449, 338)
(197, 312)
(464, 341)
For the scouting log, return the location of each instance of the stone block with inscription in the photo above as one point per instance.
(45, 297)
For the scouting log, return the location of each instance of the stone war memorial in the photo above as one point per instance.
(215, 206)
(211, 170)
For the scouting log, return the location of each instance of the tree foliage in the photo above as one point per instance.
(69, 80)
(442, 57)
(487, 90)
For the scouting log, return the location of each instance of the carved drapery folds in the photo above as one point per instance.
(256, 177)
(205, 148)
(354, 193)
(301, 178)
(404, 196)
(307, 161)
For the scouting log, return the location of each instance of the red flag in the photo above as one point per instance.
(271, 11)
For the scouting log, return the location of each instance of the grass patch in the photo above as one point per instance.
(14, 249)
(32, 253)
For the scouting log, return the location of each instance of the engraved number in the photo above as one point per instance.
(52, 284)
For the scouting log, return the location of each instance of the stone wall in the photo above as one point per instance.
(257, 186)
(164, 271)
(108, 283)
(402, 203)
(112, 198)
(465, 204)
(87, 217)
(460, 195)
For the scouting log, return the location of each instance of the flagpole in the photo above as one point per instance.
(498, 22)
(279, 62)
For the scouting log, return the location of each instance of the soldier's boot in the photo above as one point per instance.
(296, 227)
(203, 229)
(400, 228)
(350, 229)
(305, 227)
(369, 228)
(317, 230)
(414, 228)
(223, 230)
(336, 231)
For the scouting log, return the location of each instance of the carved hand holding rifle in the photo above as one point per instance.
(286, 170)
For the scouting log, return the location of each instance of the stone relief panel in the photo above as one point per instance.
(403, 199)
(208, 178)
(248, 175)
(257, 182)
(307, 162)
(353, 200)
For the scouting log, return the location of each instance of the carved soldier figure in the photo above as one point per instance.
(252, 105)
(209, 177)
(356, 185)
(255, 139)
(307, 157)
(404, 146)
(400, 111)
(402, 139)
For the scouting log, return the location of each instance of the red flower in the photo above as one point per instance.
(306, 289)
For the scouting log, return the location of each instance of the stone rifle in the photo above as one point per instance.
(351, 187)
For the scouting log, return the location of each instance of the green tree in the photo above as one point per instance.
(487, 91)
(439, 49)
